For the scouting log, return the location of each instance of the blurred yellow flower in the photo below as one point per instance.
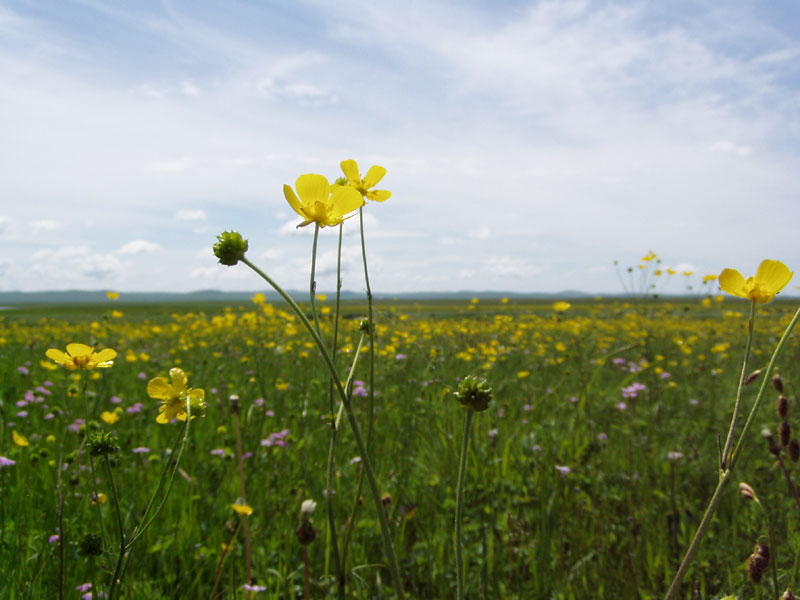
(173, 394)
(109, 417)
(710, 277)
(242, 509)
(374, 175)
(770, 278)
(112, 295)
(650, 256)
(19, 439)
(561, 306)
(259, 298)
(322, 203)
(101, 498)
(81, 356)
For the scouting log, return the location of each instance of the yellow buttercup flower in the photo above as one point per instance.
(770, 278)
(710, 277)
(109, 417)
(561, 306)
(81, 356)
(322, 203)
(112, 295)
(374, 175)
(19, 439)
(242, 509)
(173, 394)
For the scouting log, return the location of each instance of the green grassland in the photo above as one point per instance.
(572, 489)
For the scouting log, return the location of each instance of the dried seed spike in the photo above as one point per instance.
(777, 383)
(784, 433)
(782, 406)
(752, 377)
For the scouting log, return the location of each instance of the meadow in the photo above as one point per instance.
(586, 476)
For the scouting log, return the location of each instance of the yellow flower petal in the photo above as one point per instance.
(79, 350)
(731, 281)
(374, 175)
(379, 195)
(345, 200)
(312, 189)
(19, 440)
(178, 378)
(159, 389)
(291, 198)
(350, 170)
(57, 355)
(773, 275)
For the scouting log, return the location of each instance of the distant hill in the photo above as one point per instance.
(99, 297)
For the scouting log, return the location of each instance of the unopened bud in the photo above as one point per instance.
(784, 433)
(305, 532)
(230, 247)
(474, 392)
(794, 450)
(754, 568)
(782, 406)
(777, 383)
(752, 377)
(386, 499)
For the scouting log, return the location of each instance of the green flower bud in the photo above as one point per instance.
(102, 443)
(363, 326)
(474, 392)
(230, 247)
(90, 545)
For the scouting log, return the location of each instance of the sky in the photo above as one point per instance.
(528, 145)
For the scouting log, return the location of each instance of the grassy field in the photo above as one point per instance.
(586, 477)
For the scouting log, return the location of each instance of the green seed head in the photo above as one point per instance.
(102, 443)
(230, 247)
(474, 392)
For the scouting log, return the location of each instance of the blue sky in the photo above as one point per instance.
(528, 144)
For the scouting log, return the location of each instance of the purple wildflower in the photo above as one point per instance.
(23, 370)
(6, 462)
(53, 538)
(140, 450)
(563, 469)
(633, 390)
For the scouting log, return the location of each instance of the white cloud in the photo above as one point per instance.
(100, 267)
(177, 165)
(190, 215)
(5, 265)
(728, 147)
(62, 253)
(138, 247)
(5, 222)
(189, 88)
(273, 254)
(44, 225)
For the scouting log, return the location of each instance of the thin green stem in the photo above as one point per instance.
(773, 555)
(96, 498)
(729, 440)
(371, 404)
(701, 530)
(118, 568)
(60, 518)
(139, 530)
(382, 519)
(462, 469)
